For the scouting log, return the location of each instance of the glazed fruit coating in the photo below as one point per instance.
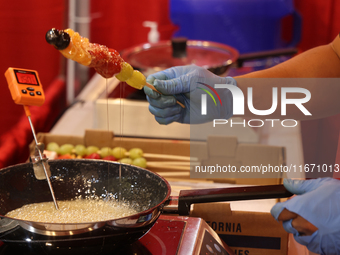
(107, 62)
(137, 80)
(125, 73)
(77, 50)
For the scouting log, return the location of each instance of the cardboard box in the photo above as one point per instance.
(246, 233)
(221, 150)
(224, 153)
(101, 139)
(158, 150)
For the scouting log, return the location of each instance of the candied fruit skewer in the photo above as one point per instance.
(107, 62)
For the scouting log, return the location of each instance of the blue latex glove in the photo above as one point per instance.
(318, 202)
(183, 83)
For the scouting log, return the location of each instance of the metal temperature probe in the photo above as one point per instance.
(26, 89)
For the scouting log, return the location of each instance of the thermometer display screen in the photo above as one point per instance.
(26, 78)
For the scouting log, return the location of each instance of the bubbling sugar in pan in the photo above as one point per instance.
(73, 211)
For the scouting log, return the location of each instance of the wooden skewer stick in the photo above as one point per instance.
(166, 157)
(174, 174)
(169, 157)
(175, 163)
(162, 166)
(154, 89)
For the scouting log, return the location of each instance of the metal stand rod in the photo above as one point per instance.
(43, 164)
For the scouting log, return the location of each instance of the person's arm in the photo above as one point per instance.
(320, 65)
(320, 62)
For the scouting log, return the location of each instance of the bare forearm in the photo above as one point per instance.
(321, 68)
(319, 62)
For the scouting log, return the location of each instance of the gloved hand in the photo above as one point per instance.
(186, 84)
(313, 216)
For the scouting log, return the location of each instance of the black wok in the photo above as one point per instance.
(147, 191)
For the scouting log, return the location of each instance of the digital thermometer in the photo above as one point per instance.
(26, 89)
(25, 86)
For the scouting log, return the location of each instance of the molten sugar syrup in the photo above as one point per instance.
(121, 118)
(73, 211)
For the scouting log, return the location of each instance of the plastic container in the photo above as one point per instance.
(247, 25)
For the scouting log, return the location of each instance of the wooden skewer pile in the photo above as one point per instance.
(170, 165)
